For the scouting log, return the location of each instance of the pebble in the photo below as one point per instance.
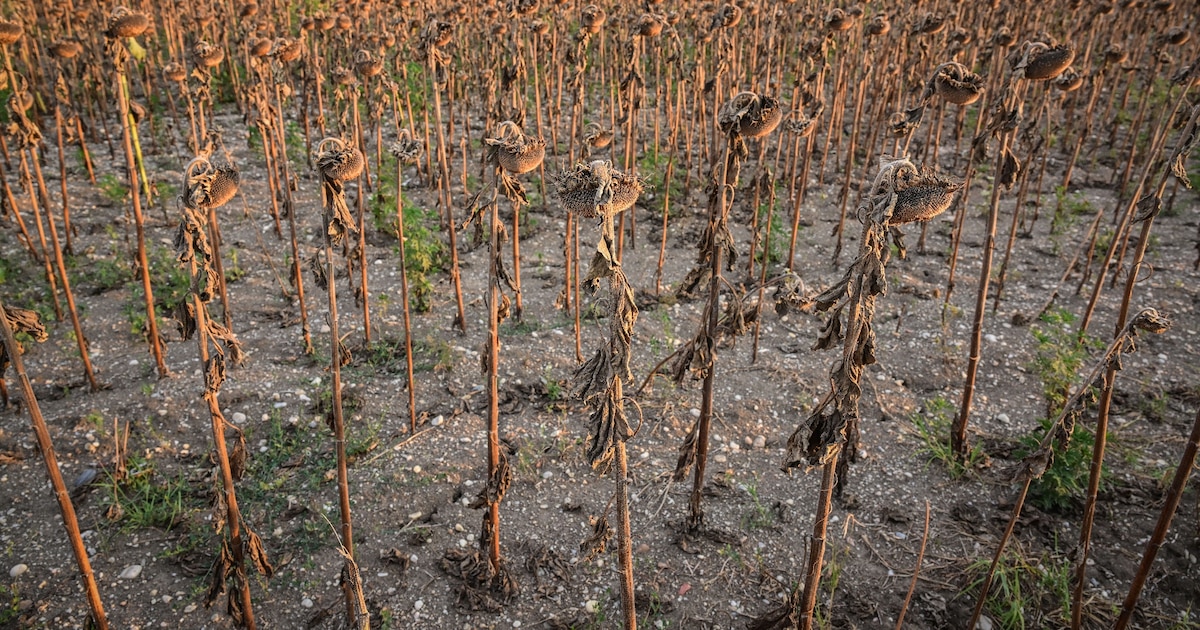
(239, 417)
(1002, 418)
(419, 604)
(437, 421)
(190, 608)
(130, 572)
(721, 459)
(695, 412)
(17, 570)
(983, 624)
(991, 338)
(306, 602)
(760, 442)
(548, 474)
(592, 606)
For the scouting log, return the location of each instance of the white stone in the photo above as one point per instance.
(17, 570)
(306, 602)
(760, 442)
(419, 604)
(592, 606)
(437, 421)
(239, 417)
(130, 572)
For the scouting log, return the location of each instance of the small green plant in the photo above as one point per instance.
(653, 167)
(760, 516)
(932, 425)
(1024, 594)
(233, 270)
(171, 284)
(1060, 354)
(772, 238)
(106, 274)
(1063, 484)
(554, 387)
(424, 252)
(10, 602)
(433, 354)
(1068, 207)
(94, 421)
(146, 500)
(112, 187)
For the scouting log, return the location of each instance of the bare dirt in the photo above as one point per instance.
(409, 491)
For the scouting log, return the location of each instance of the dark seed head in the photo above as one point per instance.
(338, 161)
(125, 23)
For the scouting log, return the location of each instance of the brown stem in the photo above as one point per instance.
(339, 425)
(912, 586)
(80, 339)
(455, 277)
(1089, 513)
(364, 185)
(1174, 494)
(51, 279)
(816, 546)
(143, 264)
(493, 368)
(711, 311)
(987, 579)
(218, 431)
(46, 448)
(958, 435)
(408, 352)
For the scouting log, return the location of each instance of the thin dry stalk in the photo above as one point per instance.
(912, 586)
(590, 191)
(339, 164)
(1170, 504)
(120, 58)
(406, 151)
(1148, 208)
(27, 321)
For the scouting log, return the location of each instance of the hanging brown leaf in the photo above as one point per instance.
(258, 554)
(597, 541)
(1010, 168)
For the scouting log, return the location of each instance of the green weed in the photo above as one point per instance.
(112, 187)
(932, 424)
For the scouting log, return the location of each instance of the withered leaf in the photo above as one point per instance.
(1147, 207)
(597, 541)
(1010, 168)
(258, 554)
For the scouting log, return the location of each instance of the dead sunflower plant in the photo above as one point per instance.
(206, 188)
(591, 191)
